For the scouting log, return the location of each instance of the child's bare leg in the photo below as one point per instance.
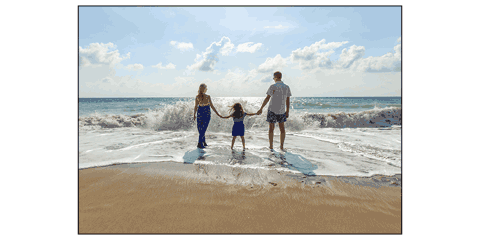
(233, 141)
(243, 142)
(282, 134)
(270, 134)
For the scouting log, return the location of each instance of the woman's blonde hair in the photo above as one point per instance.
(200, 90)
(237, 110)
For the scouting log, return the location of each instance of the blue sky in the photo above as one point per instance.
(169, 51)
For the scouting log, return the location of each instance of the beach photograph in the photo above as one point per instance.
(231, 121)
(240, 119)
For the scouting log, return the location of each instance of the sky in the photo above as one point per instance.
(170, 51)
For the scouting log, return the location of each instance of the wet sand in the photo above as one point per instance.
(194, 198)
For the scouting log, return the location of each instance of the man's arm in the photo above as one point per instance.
(288, 106)
(263, 105)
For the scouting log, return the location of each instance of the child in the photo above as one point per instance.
(238, 126)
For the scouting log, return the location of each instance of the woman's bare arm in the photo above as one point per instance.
(213, 107)
(195, 108)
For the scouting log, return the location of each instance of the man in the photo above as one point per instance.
(280, 94)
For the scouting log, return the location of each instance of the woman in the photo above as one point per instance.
(202, 104)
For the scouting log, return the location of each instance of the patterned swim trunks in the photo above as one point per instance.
(274, 118)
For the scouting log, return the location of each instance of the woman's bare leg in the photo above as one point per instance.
(243, 142)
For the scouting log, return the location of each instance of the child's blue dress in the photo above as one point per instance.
(238, 126)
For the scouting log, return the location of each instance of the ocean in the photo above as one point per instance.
(334, 136)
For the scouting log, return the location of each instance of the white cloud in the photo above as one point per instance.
(97, 69)
(387, 63)
(309, 58)
(332, 45)
(183, 46)
(272, 64)
(248, 47)
(276, 27)
(134, 67)
(97, 54)
(399, 39)
(350, 59)
(347, 57)
(206, 61)
(168, 66)
(350, 75)
(227, 48)
(311, 62)
(310, 52)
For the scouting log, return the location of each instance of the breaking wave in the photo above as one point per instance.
(180, 117)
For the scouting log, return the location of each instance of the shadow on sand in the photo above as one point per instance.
(237, 158)
(191, 156)
(294, 162)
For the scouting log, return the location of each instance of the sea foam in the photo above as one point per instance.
(179, 116)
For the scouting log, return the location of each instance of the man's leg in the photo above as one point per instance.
(270, 134)
(282, 134)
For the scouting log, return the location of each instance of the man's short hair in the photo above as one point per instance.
(277, 74)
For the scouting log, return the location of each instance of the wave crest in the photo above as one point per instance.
(379, 117)
(180, 117)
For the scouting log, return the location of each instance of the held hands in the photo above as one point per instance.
(259, 112)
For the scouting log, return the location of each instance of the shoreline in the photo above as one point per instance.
(179, 198)
(375, 180)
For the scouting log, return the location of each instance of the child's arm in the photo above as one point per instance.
(251, 114)
(225, 117)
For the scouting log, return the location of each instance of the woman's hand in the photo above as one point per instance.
(194, 118)
(259, 111)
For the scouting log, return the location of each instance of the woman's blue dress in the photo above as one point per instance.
(203, 118)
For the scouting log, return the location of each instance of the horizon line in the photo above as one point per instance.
(231, 97)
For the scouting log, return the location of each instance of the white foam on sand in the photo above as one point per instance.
(335, 152)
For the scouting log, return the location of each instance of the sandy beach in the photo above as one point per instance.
(191, 198)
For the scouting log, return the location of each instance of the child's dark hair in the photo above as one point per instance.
(237, 110)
